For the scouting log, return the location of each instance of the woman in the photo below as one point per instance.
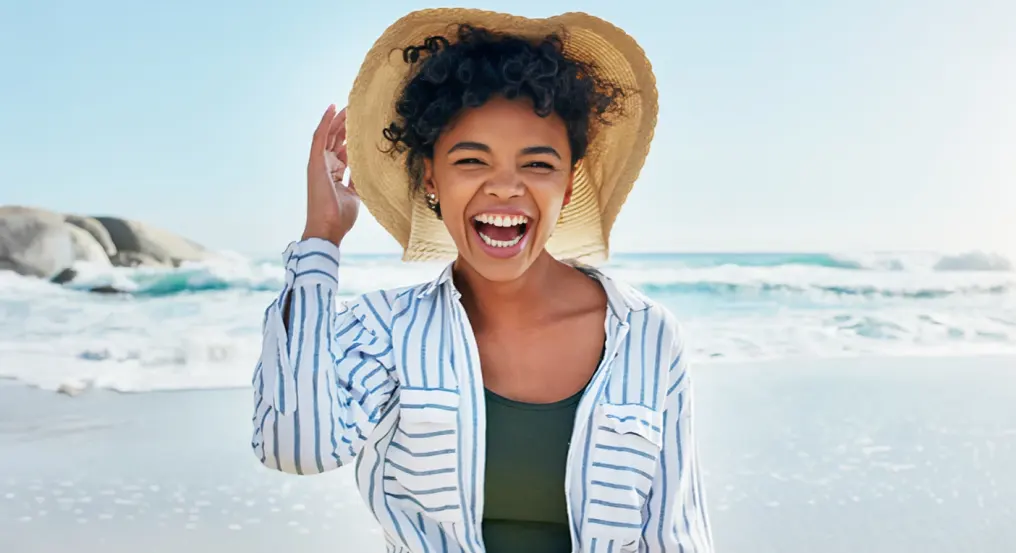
(516, 402)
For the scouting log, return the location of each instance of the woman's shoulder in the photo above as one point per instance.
(646, 314)
(378, 309)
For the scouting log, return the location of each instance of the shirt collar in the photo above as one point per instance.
(621, 298)
(445, 278)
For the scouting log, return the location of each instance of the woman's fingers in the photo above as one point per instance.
(323, 131)
(342, 155)
(334, 164)
(337, 131)
(329, 142)
(337, 167)
(340, 134)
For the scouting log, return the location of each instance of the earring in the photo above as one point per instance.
(433, 204)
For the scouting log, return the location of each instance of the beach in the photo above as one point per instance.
(845, 403)
(875, 454)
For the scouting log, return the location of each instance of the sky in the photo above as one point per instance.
(808, 125)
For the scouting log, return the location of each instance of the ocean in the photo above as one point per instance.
(198, 326)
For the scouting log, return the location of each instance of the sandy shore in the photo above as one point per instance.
(873, 455)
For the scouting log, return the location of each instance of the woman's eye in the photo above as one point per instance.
(540, 165)
(468, 161)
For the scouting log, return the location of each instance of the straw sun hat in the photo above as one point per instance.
(603, 178)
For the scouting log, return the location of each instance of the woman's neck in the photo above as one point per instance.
(511, 303)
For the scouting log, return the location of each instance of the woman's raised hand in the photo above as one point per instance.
(332, 206)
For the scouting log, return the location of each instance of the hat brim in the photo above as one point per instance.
(603, 179)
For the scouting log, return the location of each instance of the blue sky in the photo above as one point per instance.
(805, 125)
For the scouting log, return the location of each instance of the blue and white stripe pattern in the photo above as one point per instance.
(390, 382)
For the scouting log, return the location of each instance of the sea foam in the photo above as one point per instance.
(198, 325)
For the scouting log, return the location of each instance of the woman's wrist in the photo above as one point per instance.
(324, 234)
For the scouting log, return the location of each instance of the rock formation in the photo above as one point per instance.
(94, 228)
(45, 244)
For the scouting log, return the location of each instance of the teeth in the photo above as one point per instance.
(502, 220)
(500, 243)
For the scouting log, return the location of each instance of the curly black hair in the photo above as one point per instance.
(481, 64)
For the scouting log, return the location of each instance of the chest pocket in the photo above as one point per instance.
(627, 440)
(421, 465)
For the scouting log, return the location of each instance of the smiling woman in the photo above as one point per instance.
(517, 402)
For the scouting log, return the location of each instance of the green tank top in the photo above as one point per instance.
(524, 498)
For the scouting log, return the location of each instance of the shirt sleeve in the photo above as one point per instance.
(676, 519)
(324, 377)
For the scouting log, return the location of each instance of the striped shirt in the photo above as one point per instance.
(390, 382)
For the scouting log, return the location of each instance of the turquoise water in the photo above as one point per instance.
(198, 326)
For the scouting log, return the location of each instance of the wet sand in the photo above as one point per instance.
(874, 455)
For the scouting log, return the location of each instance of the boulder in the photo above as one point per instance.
(85, 247)
(138, 243)
(34, 242)
(139, 259)
(95, 228)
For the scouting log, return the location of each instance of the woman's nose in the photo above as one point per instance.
(505, 184)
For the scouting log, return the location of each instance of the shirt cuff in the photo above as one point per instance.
(311, 261)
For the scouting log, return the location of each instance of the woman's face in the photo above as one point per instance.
(501, 174)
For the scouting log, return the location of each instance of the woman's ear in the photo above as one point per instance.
(430, 189)
(568, 191)
(428, 177)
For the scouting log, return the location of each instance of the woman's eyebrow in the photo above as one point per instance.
(470, 146)
(532, 150)
(478, 146)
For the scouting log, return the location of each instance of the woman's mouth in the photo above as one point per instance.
(501, 235)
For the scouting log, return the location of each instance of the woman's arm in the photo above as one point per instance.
(323, 380)
(677, 520)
